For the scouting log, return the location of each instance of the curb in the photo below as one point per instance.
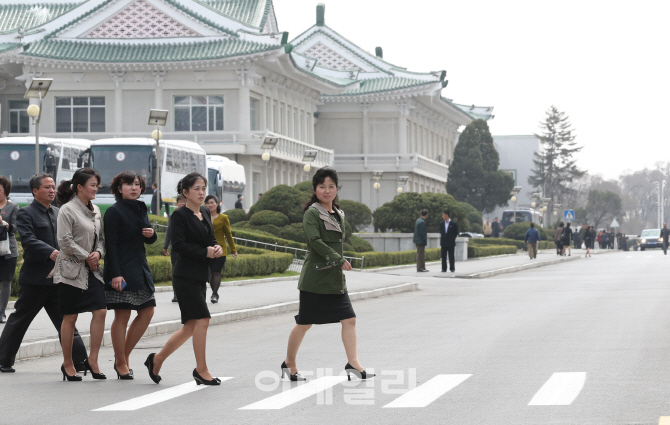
(49, 347)
(521, 267)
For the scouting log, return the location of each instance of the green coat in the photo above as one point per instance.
(420, 232)
(322, 272)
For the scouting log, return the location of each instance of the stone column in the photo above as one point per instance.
(247, 76)
(117, 77)
(365, 146)
(159, 77)
(404, 109)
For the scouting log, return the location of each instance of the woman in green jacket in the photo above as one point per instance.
(322, 285)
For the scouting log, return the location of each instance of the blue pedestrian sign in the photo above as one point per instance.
(569, 215)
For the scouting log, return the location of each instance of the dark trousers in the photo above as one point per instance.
(452, 259)
(420, 257)
(32, 299)
(665, 247)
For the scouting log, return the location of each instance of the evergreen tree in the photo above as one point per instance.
(555, 166)
(473, 175)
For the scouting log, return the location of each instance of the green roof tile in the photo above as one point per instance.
(26, 16)
(250, 12)
(9, 46)
(384, 84)
(82, 51)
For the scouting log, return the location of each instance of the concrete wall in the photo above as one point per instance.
(394, 242)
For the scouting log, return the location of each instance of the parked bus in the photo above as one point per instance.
(60, 157)
(225, 179)
(522, 214)
(177, 159)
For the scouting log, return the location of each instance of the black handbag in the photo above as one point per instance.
(4, 233)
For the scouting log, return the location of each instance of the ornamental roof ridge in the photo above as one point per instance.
(384, 85)
(10, 13)
(251, 12)
(477, 112)
(340, 82)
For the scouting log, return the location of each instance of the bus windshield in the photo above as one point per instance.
(521, 216)
(112, 160)
(211, 182)
(18, 164)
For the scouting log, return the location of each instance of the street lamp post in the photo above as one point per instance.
(514, 216)
(532, 205)
(158, 117)
(37, 90)
(309, 156)
(402, 181)
(377, 176)
(268, 145)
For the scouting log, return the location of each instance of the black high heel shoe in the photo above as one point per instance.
(149, 363)
(127, 376)
(286, 371)
(202, 381)
(87, 367)
(74, 377)
(361, 375)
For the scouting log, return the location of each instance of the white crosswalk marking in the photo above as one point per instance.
(157, 397)
(560, 390)
(427, 393)
(294, 395)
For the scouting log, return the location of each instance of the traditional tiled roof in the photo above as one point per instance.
(385, 84)
(27, 16)
(250, 12)
(83, 51)
(9, 46)
(477, 112)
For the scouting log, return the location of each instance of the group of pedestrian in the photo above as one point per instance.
(492, 230)
(62, 270)
(448, 234)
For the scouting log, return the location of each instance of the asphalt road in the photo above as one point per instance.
(583, 342)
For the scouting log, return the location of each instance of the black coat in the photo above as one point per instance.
(190, 240)
(37, 226)
(448, 236)
(124, 244)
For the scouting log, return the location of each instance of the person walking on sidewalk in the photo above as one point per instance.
(421, 240)
(37, 225)
(222, 233)
(488, 230)
(8, 213)
(323, 290)
(589, 238)
(495, 228)
(532, 238)
(130, 285)
(181, 201)
(665, 233)
(77, 271)
(448, 234)
(558, 238)
(192, 236)
(566, 239)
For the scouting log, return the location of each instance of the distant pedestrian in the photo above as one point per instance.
(448, 234)
(566, 239)
(495, 228)
(619, 242)
(260, 195)
(487, 229)
(421, 240)
(665, 233)
(558, 238)
(610, 239)
(156, 200)
(532, 238)
(589, 236)
(576, 239)
(8, 212)
(238, 204)
(604, 240)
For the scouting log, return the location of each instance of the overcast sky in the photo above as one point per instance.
(605, 63)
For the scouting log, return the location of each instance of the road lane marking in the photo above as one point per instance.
(157, 397)
(428, 392)
(560, 390)
(664, 420)
(294, 395)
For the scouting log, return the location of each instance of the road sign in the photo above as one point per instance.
(569, 215)
(614, 223)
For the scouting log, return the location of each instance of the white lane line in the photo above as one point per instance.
(427, 393)
(560, 390)
(155, 398)
(294, 395)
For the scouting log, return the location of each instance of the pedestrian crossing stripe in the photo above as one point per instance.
(664, 420)
(428, 392)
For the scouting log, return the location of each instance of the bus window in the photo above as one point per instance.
(168, 159)
(184, 162)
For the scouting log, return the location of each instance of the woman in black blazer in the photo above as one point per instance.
(193, 239)
(130, 285)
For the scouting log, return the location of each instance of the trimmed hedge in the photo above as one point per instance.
(495, 241)
(236, 215)
(360, 244)
(274, 218)
(487, 251)
(517, 231)
(381, 259)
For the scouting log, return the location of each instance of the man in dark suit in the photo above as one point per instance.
(156, 200)
(37, 226)
(238, 204)
(665, 234)
(495, 228)
(448, 234)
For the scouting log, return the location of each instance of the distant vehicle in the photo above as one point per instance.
(59, 157)
(522, 214)
(177, 159)
(225, 180)
(470, 235)
(650, 238)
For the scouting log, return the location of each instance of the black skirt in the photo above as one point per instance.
(192, 298)
(7, 267)
(74, 300)
(319, 309)
(216, 264)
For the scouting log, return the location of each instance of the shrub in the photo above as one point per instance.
(357, 214)
(402, 212)
(236, 215)
(154, 219)
(305, 186)
(274, 218)
(284, 199)
(360, 244)
(487, 251)
(495, 241)
(155, 248)
(382, 259)
(293, 232)
(474, 218)
(517, 231)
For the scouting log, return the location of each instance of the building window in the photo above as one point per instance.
(254, 113)
(198, 113)
(19, 122)
(80, 114)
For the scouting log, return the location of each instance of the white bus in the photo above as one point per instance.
(59, 157)
(225, 180)
(177, 159)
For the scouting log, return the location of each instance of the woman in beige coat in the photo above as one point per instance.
(77, 272)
